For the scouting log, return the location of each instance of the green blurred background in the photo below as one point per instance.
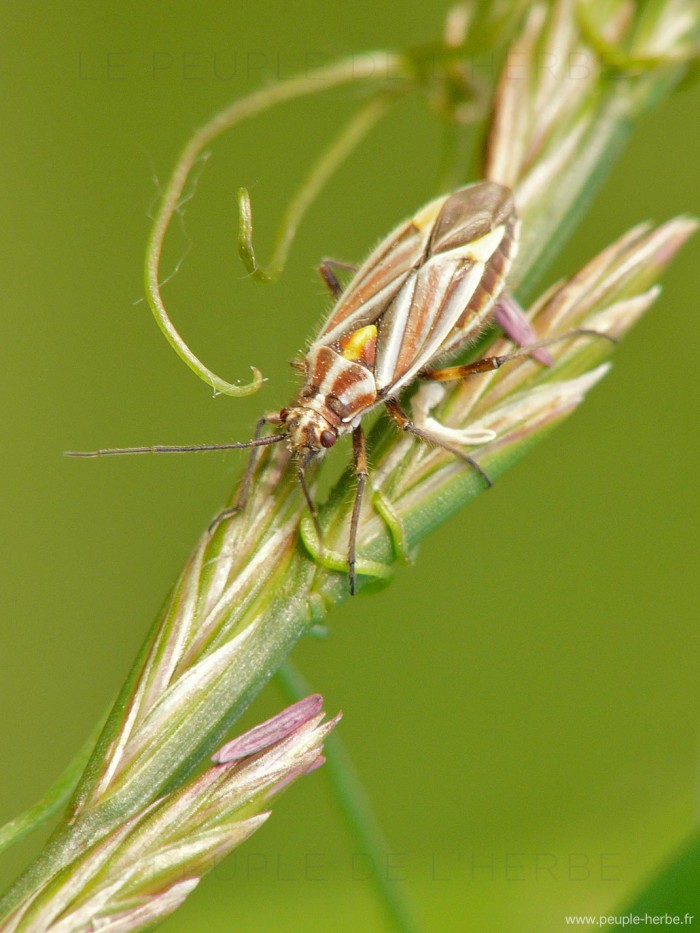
(522, 704)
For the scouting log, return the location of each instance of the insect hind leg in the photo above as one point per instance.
(490, 363)
(247, 481)
(434, 437)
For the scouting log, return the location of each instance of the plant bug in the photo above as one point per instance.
(423, 294)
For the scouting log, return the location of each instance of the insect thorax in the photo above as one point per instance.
(337, 392)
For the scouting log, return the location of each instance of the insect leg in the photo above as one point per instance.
(490, 363)
(301, 476)
(510, 316)
(247, 481)
(452, 373)
(359, 452)
(405, 423)
(327, 269)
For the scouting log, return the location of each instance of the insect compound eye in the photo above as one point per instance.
(328, 438)
(284, 415)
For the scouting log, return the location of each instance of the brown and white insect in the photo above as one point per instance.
(424, 293)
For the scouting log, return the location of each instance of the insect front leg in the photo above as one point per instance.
(433, 436)
(326, 270)
(359, 453)
(247, 481)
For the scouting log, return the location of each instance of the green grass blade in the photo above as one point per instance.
(56, 797)
(675, 890)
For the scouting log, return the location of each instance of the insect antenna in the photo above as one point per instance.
(180, 449)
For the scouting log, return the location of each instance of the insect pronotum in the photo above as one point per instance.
(424, 293)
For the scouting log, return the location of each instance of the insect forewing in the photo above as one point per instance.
(471, 244)
(482, 222)
(431, 284)
(422, 316)
(379, 279)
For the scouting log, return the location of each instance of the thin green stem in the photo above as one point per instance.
(345, 72)
(356, 809)
(344, 143)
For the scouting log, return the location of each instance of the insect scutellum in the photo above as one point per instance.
(423, 294)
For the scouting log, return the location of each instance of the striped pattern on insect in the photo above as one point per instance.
(423, 294)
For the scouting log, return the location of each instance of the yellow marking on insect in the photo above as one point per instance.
(482, 250)
(428, 214)
(359, 346)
